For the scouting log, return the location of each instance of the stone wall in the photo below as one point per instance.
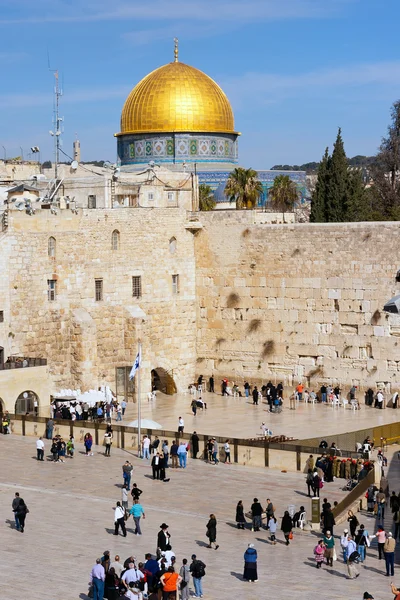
(297, 302)
(84, 339)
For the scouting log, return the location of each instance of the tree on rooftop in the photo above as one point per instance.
(283, 195)
(244, 188)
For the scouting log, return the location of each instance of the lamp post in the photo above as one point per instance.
(5, 153)
(22, 153)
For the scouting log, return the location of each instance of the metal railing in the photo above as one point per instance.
(22, 362)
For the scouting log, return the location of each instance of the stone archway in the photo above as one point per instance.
(2, 407)
(25, 403)
(163, 381)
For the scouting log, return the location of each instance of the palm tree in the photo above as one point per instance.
(243, 187)
(283, 195)
(206, 197)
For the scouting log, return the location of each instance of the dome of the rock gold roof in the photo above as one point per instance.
(177, 98)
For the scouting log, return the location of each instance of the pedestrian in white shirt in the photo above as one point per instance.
(146, 447)
(40, 449)
(181, 425)
(119, 519)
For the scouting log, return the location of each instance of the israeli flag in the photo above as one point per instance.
(136, 365)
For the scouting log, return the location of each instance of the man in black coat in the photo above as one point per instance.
(255, 395)
(195, 444)
(163, 538)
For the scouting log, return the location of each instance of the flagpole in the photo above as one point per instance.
(139, 405)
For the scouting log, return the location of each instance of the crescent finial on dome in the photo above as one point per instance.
(176, 49)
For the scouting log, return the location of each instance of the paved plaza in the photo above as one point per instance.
(70, 523)
(237, 417)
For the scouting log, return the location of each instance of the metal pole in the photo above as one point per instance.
(139, 405)
(5, 154)
(22, 154)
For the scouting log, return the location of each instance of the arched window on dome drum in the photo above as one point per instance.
(52, 247)
(115, 240)
(172, 245)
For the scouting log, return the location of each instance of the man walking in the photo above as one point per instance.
(269, 511)
(256, 512)
(184, 572)
(123, 407)
(15, 504)
(388, 549)
(215, 451)
(136, 512)
(352, 554)
(211, 384)
(119, 520)
(97, 578)
(195, 444)
(39, 449)
(49, 429)
(198, 570)
(127, 469)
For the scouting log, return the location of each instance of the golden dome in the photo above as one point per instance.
(177, 98)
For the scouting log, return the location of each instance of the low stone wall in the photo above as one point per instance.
(252, 453)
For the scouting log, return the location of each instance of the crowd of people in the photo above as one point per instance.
(158, 576)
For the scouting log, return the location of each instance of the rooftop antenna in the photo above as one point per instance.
(57, 120)
(176, 49)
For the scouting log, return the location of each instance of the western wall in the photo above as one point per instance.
(256, 301)
(297, 302)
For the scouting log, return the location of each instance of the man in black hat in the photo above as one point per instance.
(367, 596)
(163, 539)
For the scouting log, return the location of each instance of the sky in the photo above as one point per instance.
(293, 70)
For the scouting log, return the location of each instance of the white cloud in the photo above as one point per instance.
(266, 88)
(196, 10)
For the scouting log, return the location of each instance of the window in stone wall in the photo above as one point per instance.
(171, 198)
(115, 240)
(51, 289)
(91, 201)
(98, 287)
(172, 245)
(1, 316)
(136, 286)
(175, 284)
(51, 247)
(150, 197)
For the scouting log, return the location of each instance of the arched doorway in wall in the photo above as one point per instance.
(1, 357)
(25, 403)
(2, 409)
(163, 381)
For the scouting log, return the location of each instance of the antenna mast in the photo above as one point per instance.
(57, 124)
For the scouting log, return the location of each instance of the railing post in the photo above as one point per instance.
(266, 454)
(23, 424)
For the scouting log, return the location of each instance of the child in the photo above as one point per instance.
(124, 496)
(319, 552)
(272, 530)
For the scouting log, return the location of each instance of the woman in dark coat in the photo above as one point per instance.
(240, 520)
(286, 526)
(20, 513)
(111, 585)
(212, 532)
(353, 523)
(250, 564)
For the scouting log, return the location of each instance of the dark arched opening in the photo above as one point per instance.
(163, 381)
(26, 403)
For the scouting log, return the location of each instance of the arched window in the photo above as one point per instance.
(172, 245)
(115, 240)
(52, 247)
(27, 402)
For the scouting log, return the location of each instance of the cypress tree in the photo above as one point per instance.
(337, 187)
(358, 205)
(318, 197)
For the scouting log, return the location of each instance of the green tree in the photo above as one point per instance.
(337, 184)
(283, 195)
(206, 197)
(385, 171)
(318, 197)
(358, 204)
(243, 187)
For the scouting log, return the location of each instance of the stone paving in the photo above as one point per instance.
(71, 523)
(237, 417)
